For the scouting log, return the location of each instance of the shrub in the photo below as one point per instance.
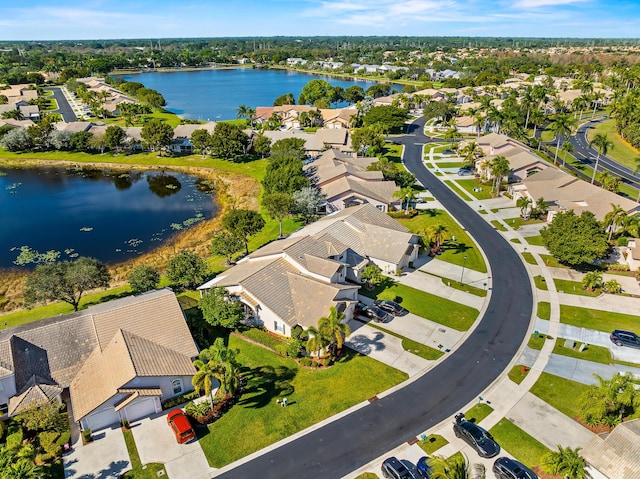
(198, 410)
(295, 349)
(387, 295)
(14, 440)
(86, 435)
(623, 241)
(43, 458)
(125, 424)
(617, 267)
(64, 438)
(183, 398)
(216, 412)
(28, 451)
(282, 348)
(3, 429)
(47, 441)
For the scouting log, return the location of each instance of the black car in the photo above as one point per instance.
(505, 468)
(389, 306)
(394, 469)
(377, 314)
(625, 338)
(464, 171)
(476, 437)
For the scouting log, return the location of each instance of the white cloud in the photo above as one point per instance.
(527, 4)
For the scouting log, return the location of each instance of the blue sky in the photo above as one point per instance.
(100, 19)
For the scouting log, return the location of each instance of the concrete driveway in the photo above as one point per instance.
(156, 443)
(105, 458)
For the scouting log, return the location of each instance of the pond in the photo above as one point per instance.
(109, 215)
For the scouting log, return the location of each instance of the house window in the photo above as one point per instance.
(4, 408)
(176, 384)
(277, 328)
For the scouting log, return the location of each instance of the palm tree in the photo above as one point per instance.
(470, 153)
(561, 127)
(614, 218)
(567, 147)
(609, 401)
(203, 379)
(454, 467)
(241, 112)
(334, 328)
(216, 362)
(612, 286)
(565, 461)
(499, 168)
(603, 145)
(592, 280)
(609, 182)
(524, 203)
(318, 340)
(437, 234)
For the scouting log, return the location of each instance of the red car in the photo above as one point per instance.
(181, 426)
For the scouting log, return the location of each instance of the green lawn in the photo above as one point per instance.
(498, 225)
(572, 287)
(536, 341)
(470, 184)
(552, 262)
(518, 373)
(515, 240)
(478, 412)
(622, 151)
(528, 257)
(463, 287)
(449, 313)
(597, 354)
(449, 164)
(457, 190)
(432, 443)
(453, 251)
(597, 319)
(517, 222)
(523, 446)
(559, 392)
(544, 310)
(540, 282)
(534, 240)
(313, 395)
(414, 347)
(368, 475)
(150, 471)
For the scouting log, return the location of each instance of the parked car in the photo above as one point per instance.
(476, 437)
(181, 426)
(422, 466)
(625, 338)
(465, 171)
(448, 152)
(377, 314)
(506, 468)
(392, 468)
(389, 306)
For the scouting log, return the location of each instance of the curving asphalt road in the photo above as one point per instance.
(344, 445)
(64, 108)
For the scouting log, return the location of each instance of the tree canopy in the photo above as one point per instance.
(65, 281)
(390, 117)
(228, 141)
(575, 240)
(243, 223)
(187, 269)
(219, 309)
(157, 134)
(143, 278)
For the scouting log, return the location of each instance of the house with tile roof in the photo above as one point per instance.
(294, 281)
(616, 455)
(119, 360)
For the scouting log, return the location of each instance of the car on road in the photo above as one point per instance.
(379, 315)
(392, 468)
(389, 306)
(466, 171)
(423, 468)
(476, 437)
(625, 338)
(180, 426)
(448, 152)
(506, 468)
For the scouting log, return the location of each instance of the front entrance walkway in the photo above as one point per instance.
(105, 457)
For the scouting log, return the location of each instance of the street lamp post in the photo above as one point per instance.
(464, 262)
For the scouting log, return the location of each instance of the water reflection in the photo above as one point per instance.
(163, 185)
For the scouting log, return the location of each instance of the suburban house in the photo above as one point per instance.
(632, 254)
(119, 360)
(294, 281)
(616, 455)
(345, 181)
(315, 143)
(181, 142)
(564, 192)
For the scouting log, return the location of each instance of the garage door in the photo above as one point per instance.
(143, 407)
(101, 419)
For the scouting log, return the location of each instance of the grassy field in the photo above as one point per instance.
(517, 222)
(559, 392)
(498, 225)
(544, 310)
(515, 240)
(597, 354)
(478, 412)
(536, 341)
(414, 347)
(432, 443)
(457, 189)
(528, 257)
(517, 373)
(471, 184)
(150, 471)
(552, 261)
(453, 251)
(597, 319)
(523, 446)
(534, 240)
(464, 287)
(313, 395)
(540, 282)
(440, 310)
(573, 287)
(622, 151)
(449, 164)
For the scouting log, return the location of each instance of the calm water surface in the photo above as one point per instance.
(112, 216)
(215, 94)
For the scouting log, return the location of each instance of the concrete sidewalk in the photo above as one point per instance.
(629, 283)
(583, 371)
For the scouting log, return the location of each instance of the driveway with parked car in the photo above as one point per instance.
(157, 442)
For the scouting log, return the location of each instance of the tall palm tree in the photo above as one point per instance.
(562, 126)
(203, 380)
(470, 153)
(334, 328)
(318, 340)
(499, 168)
(592, 280)
(615, 218)
(524, 203)
(567, 462)
(241, 112)
(609, 401)
(437, 234)
(567, 147)
(454, 467)
(603, 145)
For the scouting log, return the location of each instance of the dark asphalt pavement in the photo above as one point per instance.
(344, 445)
(64, 108)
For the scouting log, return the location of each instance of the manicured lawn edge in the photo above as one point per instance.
(518, 442)
(432, 443)
(596, 319)
(559, 392)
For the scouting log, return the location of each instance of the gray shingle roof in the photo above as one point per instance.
(618, 455)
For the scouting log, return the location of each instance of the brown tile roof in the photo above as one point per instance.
(381, 191)
(38, 392)
(617, 455)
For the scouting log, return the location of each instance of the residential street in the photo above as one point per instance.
(344, 445)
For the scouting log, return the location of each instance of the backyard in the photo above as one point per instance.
(257, 421)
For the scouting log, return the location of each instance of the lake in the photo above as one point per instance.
(212, 95)
(112, 216)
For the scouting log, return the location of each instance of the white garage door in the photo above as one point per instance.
(143, 407)
(101, 419)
